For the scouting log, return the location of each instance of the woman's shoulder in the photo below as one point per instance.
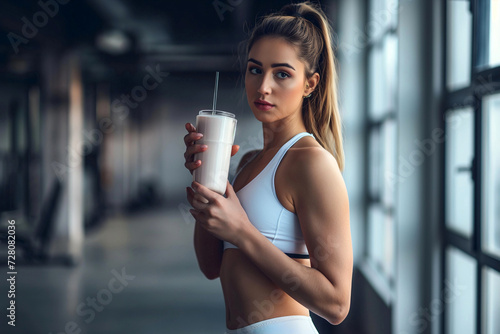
(307, 157)
(316, 172)
(308, 149)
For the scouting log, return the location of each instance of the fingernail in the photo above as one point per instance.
(203, 147)
(199, 135)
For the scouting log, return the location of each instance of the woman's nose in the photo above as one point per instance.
(265, 85)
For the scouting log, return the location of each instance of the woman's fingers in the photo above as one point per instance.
(191, 166)
(190, 163)
(235, 149)
(200, 203)
(190, 127)
(191, 137)
(195, 199)
(200, 189)
(193, 149)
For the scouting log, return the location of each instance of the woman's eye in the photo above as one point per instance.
(282, 75)
(254, 70)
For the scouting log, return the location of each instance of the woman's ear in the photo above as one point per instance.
(311, 83)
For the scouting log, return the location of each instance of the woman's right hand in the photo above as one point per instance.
(192, 148)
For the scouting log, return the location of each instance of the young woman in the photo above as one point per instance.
(280, 239)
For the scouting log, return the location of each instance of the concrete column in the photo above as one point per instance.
(63, 149)
(75, 233)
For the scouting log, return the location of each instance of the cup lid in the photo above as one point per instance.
(216, 113)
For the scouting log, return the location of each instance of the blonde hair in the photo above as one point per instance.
(306, 26)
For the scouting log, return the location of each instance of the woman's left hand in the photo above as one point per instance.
(224, 217)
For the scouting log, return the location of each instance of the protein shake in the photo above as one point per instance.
(218, 129)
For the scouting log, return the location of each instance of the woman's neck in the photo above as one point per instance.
(278, 133)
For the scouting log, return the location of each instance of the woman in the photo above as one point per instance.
(280, 239)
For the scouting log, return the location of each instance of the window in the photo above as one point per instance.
(382, 75)
(492, 302)
(471, 247)
(461, 298)
(491, 175)
(494, 34)
(459, 185)
(459, 32)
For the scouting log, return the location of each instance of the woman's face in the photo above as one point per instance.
(275, 80)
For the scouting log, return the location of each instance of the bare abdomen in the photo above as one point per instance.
(249, 295)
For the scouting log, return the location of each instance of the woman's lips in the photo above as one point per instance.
(263, 105)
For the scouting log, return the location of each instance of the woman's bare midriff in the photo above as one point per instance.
(249, 295)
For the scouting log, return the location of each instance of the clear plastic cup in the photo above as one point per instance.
(218, 129)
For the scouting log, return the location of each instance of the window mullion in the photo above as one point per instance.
(477, 230)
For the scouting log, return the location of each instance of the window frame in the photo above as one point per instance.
(374, 271)
(471, 96)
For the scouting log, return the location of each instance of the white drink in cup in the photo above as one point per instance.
(218, 129)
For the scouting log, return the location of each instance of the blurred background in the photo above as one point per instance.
(94, 95)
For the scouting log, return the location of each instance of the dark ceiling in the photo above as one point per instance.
(200, 35)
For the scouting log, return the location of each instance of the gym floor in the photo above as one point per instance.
(139, 275)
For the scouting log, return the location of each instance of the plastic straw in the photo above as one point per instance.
(215, 92)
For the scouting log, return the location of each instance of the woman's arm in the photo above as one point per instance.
(208, 248)
(321, 203)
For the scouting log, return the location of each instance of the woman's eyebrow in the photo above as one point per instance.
(255, 61)
(272, 65)
(283, 64)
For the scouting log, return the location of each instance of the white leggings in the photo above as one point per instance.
(293, 324)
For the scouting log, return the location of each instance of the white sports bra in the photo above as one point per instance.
(266, 212)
